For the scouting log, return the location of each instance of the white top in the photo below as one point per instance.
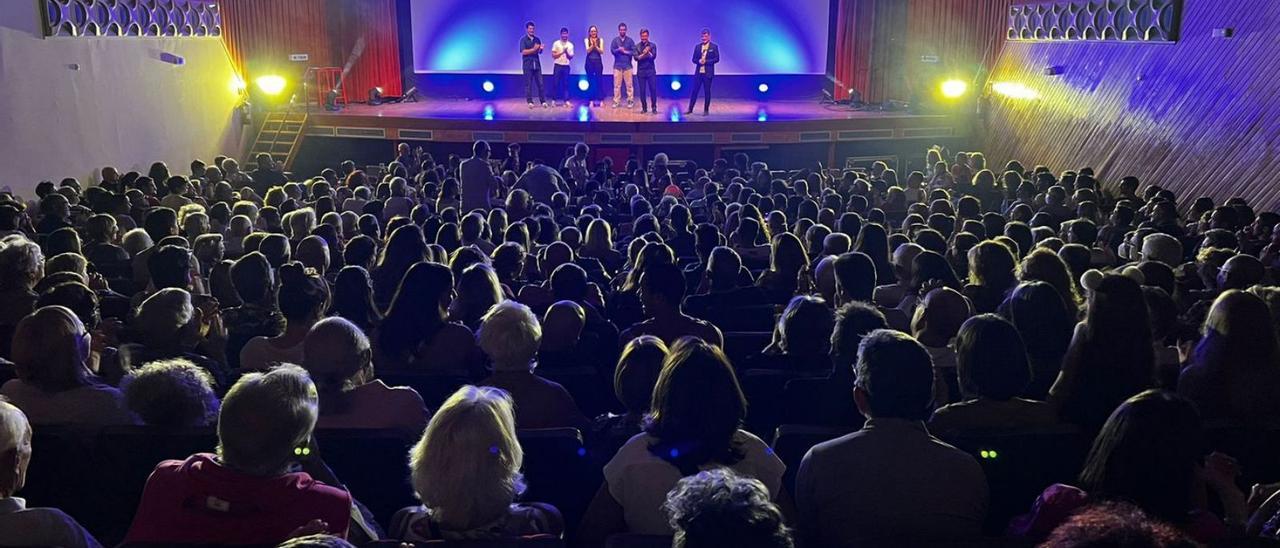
(640, 481)
(96, 405)
(562, 46)
(22, 526)
(259, 355)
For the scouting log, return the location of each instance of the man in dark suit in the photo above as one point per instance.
(705, 56)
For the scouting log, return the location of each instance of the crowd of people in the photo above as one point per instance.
(958, 298)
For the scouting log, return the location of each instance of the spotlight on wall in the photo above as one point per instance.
(1015, 90)
(271, 84)
(487, 86)
(675, 85)
(954, 89)
(584, 85)
(375, 96)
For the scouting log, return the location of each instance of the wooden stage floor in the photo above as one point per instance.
(730, 122)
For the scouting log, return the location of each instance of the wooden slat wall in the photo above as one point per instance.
(1201, 117)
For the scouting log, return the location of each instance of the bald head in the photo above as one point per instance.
(313, 252)
(562, 326)
(1241, 272)
(15, 449)
(1162, 248)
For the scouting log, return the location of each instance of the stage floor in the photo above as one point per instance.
(737, 122)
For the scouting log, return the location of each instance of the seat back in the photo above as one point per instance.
(792, 441)
(740, 345)
(632, 540)
(129, 454)
(1254, 448)
(590, 390)
(557, 471)
(433, 387)
(373, 464)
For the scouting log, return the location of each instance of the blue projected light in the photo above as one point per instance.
(675, 85)
(488, 86)
(488, 113)
(584, 114)
(584, 85)
(482, 36)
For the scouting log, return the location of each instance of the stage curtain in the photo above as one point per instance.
(855, 26)
(260, 36)
(965, 35)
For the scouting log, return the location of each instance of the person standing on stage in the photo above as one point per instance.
(705, 56)
(624, 50)
(561, 54)
(647, 72)
(531, 50)
(595, 66)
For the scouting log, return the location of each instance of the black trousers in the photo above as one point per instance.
(595, 79)
(561, 90)
(647, 88)
(532, 79)
(701, 81)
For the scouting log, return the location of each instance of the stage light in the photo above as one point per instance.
(764, 88)
(762, 115)
(675, 85)
(1015, 90)
(584, 85)
(954, 89)
(584, 114)
(375, 96)
(331, 101)
(271, 84)
(237, 85)
(488, 86)
(488, 113)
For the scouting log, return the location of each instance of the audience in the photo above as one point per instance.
(719, 508)
(510, 335)
(171, 394)
(339, 360)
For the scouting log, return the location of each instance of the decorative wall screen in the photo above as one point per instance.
(1095, 20)
(168, 18)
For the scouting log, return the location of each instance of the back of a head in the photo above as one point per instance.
(303, 295)
(50, 348)
(990, 358)
(264, 418)
(335, 350)
(855, 276)
(172, 394)
(805, 326)
(1116, 525)
(562, 325)
(466, 466)
(1163, 248)
(941, 313)
(697, 407)
(665, 281)
(510, 335)
(896, 374)
(170, 266)
(720, 508)
(637, 372)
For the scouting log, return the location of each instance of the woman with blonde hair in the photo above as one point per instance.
(598, 244)
(466, 471)
(55, 385)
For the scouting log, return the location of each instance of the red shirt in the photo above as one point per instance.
(199, 501)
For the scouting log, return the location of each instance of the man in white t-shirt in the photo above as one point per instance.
(561, 54)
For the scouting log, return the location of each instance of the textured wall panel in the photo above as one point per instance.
(1094, 20)
(1201, 117)
(169, 18)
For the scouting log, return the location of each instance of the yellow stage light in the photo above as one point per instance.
(1015, 90)
(271, 84)
(953, 89)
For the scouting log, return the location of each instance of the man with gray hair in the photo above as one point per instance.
(720, 508)
(246, 493)
(19, 525)
(1163, 248)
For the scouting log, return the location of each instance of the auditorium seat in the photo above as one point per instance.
(590, 390)
(373, 464)
(62, 473)
(1254, 447)
(792, 441)
(433, 387)
(1020, 465)
(557, 471)
(763, 388)
(541, 541)
(743, 318)
(128, 455)
(740, 345)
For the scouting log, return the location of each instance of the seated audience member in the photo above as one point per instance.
(891, 481)
(801, 339)
(304, 298)
(720, 508)
(339, 360)
(891, 295)
(993, 272)
(509, 335)
(171, 394)
(415, 335)
(478, 291)
(21, 268)
(54, 384)
(258, 315)
(661, 293)
(1111, 356)
(169, 325)
(1150, 453)
(936, 323)
(563, 345)
(1118, 525)
(720, 286)
(694, 425)
(1234, 372)
(994, 372)
(466, 471)
(826, 401)
(19, 525)
(246, 494)
(353, 298)
(1045, 325)
(633, 382)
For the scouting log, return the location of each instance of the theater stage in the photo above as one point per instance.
(731, 122)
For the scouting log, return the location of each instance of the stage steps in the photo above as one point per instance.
(280, 136)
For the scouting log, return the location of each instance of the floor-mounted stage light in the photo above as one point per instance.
(410, 96)
(584, 85)
(763, 88)
(487, 86)
(331, 101)
(271, 84)
(675, 85)
(375, 96)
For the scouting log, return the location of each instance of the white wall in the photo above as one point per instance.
(124, 106)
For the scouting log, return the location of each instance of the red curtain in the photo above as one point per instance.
(260, 36)
(965, 35)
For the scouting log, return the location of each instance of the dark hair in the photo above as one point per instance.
(303, 294)
(160, 222)
(1045, 325)
(697, 408)
(353, 298)
(990, 358)
(896, 373)
(1147, 453)
(1116, 525)
(1114, 358)
(929, 266)
(666, 281)
(855, 276)
(415, 314)
(251, 277)
(529, 24)
(405, 248)
(170, 266)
